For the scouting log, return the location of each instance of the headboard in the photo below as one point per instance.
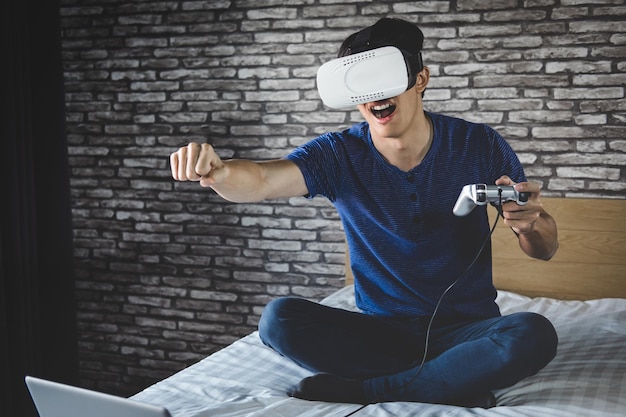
(590, 262)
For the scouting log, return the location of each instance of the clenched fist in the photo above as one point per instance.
(197, 162)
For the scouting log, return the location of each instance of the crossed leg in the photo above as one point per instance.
(368, 359)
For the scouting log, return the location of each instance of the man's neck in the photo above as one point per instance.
(407, 151)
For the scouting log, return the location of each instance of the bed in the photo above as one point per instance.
(582, 291)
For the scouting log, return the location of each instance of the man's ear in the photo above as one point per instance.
(422, 78)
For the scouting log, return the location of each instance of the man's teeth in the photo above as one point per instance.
(381, 107)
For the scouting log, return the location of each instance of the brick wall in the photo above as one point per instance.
(168, 273)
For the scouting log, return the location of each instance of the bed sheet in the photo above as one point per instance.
(587, 378)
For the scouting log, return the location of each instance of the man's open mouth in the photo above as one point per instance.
(380, 111)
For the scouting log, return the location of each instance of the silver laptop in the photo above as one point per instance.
(53, 399)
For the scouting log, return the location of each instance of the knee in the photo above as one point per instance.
(533, 343)
(273, 319)
(543, 335)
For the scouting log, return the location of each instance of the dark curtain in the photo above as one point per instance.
(37, 310)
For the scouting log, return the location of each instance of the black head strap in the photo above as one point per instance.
(361, 41)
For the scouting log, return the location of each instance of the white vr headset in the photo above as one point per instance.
(367, 76)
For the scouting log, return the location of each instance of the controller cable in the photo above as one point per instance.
(432, 317)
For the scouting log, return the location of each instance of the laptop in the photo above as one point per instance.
(53, 399)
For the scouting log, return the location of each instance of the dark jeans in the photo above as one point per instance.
(464, 359)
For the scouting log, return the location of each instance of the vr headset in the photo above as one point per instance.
(371, 75)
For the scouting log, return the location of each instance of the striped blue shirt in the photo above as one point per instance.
(406, 246)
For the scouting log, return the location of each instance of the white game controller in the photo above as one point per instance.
(473, 195)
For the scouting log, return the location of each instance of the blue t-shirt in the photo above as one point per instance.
(406, 246)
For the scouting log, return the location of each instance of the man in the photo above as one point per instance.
(394, 180)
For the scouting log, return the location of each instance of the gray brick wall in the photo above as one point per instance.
(168, 273)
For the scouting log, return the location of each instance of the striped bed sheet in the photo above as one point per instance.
(587, 378)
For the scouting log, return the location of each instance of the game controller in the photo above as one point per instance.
(473, 195)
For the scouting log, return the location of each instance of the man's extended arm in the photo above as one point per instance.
(236, 180)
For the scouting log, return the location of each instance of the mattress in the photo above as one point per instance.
(587, 378)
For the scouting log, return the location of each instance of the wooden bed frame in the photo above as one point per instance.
(590, 262)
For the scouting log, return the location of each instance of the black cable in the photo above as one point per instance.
(432, 317)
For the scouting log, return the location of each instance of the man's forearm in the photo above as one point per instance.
(244, 181)
(541, 242)
(240, 181)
